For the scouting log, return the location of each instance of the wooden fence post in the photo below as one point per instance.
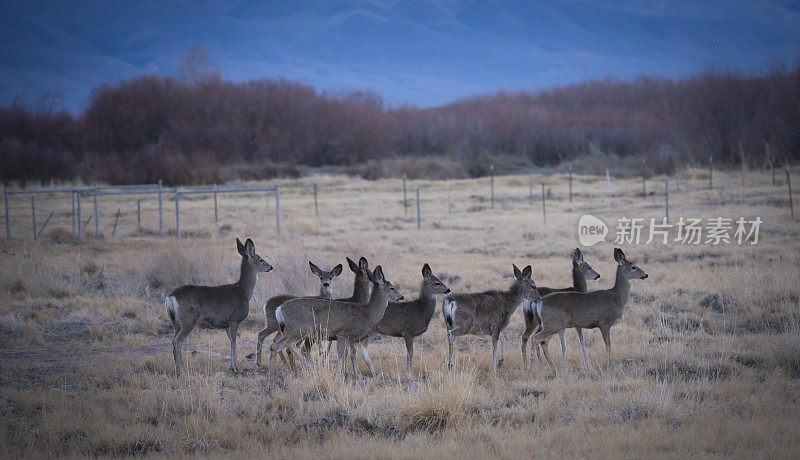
(419, 224)
(608, 181)
(449, 198)
(160, 210)
(277, 210)
(530, 187)
(710, 172)
(96, 213)
(73, 214)
(316, 204)
(789, 184)
(491, 172)
(33, 216)
(116, 218)
(8, 216)
(405, 196)
(544, 209)
(677, 184)
(570, 183)
(644, 173)
(78, 215)
(177, 214)
(215, 204)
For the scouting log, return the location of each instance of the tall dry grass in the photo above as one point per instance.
(705, 360)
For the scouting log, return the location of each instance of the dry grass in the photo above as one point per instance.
(706, 360)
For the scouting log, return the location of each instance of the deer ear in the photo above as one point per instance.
(426, 271)
(619, 256)
(526, 272)
(517, 273)
(353, 265)
(337, 270)
(362, 264)
(377, 275)
(249, 248)
(240, 247)
(314, 269)
(577, 255)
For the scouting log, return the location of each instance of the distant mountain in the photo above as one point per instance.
(420, 52)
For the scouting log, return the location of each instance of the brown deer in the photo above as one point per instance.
(215, 307)
(325, 292)
(407, 319)
(487, 313)
(349, 321)
(581, 272)
(596, 309)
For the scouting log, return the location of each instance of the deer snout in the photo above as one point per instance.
(447, 291)
(645, 276)
(597, 277)
(326, 284)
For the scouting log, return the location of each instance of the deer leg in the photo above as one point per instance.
(538, 348)
(409, 351)
(545, 352)
(524, 338)
(177, 346)
(361, 348)
(580, 340)
(449, 349)
(231, 331)
(352, 349)
(341, 359)
(502, 350)
(606, 331)
(277, 345)
(562, 335)
(262, 335)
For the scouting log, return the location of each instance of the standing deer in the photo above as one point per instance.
(581, 272)
(487, 313)
(348, 321)
(215, 307)
(407, 319)
(596, 309)
(325, 292)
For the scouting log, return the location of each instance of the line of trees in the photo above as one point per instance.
(186, 130)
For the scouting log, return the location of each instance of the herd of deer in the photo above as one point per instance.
(376, 307)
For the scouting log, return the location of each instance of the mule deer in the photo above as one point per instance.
(487, 313)
(408, 319)
(596, 309)
(581, 272)
(349, 321)
(325, 292)
(215, 307)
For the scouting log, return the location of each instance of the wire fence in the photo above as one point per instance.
(152, 210)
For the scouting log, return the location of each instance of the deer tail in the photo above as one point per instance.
(279, 317)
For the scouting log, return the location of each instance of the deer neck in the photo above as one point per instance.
(376, 307)
(361, 293)
(427, 299)
(325, 293)
(247, 278)
(621, 289)
(578, 280)
(514, 296)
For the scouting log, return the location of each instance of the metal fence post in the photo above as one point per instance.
(277, 209)
(363, 208)
(177, 214)
(138, 214)
(644, 173)
(608, 181)
(215, 203)
(677, 184)
(96, 214)
(666, 198)
(160, 211)
(449, 198)
(710, 172)
(418, 212)
(33, 216)
(8, 216)
(530, 187)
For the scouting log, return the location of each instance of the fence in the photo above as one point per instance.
(79, 194)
